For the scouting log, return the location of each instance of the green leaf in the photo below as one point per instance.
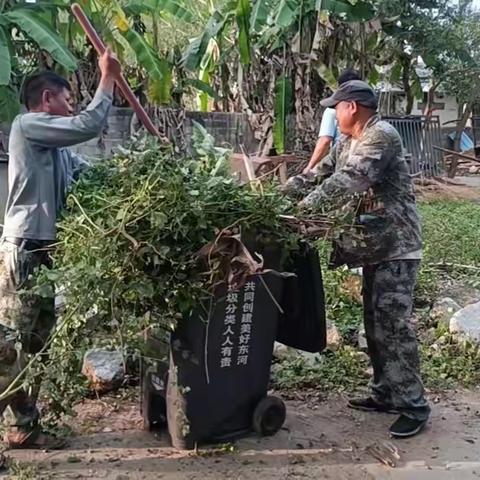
(176, 9)
(202, 87)
(359, 11)
(244, 10)
(396, 73)
(5, 60)
(287, 13)
(283, 106)
(160, 89)
(416, 85)
(374, 76)
(327, 75)
(172, 7)
(146, 56)
(40, 32)
(203, 97)
(259, 17)
(196, 50)
(9, 104)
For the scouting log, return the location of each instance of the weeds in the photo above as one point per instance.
(344, 370)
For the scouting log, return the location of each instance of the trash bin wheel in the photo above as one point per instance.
(269, 416)
(154, 408)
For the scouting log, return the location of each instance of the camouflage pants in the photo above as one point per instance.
(392, 344)
(26, 321)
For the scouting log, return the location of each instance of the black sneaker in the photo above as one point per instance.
(370, 405)
(405, 427)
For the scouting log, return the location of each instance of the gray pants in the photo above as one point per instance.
(26, 320)
(388, 302)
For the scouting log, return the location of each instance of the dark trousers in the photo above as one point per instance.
(388, 303)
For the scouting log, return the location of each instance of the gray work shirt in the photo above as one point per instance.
(41, 168)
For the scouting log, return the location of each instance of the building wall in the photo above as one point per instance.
(446, 108)
(229, 129)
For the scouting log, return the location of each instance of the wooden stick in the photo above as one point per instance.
(457, 154)
(122, 84)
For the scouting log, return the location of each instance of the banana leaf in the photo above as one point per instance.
(147, 58)
(5, 60)
(283, 106)
(359, 11)
(244, 11)
(160, 89)
(41, 33)
(260, 12)
(9, 104)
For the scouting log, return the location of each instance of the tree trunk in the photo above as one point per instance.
(428, 110)
(405, 59)
(461, 125)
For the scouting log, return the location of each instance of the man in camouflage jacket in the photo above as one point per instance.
(368, 164)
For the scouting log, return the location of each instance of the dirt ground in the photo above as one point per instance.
(321, 439)
(459, 188)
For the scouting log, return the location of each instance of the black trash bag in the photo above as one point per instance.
(302, 324)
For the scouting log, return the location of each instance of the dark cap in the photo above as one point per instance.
(353, 91)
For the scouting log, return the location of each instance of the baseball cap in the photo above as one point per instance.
(353, 91)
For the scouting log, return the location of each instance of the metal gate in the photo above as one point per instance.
(419, 135)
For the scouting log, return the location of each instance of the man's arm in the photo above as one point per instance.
(321, 151)
(328, 129)
(365, 167)
(57, 131)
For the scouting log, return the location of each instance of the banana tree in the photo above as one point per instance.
(262, 35)
(26, 35)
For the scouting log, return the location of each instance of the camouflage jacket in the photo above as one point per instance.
(374, 170)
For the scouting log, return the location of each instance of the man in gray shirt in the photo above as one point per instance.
(40, 171)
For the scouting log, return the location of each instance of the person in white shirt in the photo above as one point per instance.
(329, 133)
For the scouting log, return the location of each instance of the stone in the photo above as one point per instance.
(466, 323)
(474, 170)
(104, 369)
(281, 351)
(362, 339)
(443, 310)
(334, 338)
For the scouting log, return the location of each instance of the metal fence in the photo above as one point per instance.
(420, 134)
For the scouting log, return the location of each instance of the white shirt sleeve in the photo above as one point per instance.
(328, 127)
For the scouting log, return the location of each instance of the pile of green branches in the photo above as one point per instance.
(127, 254)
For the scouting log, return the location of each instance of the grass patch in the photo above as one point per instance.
(451, 236)
(448, 362)
(344, 370)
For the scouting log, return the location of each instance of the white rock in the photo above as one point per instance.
(466, 323)
(104, 369)
(362, 339)
(443, 311)
(281, 351)
(334, 339)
